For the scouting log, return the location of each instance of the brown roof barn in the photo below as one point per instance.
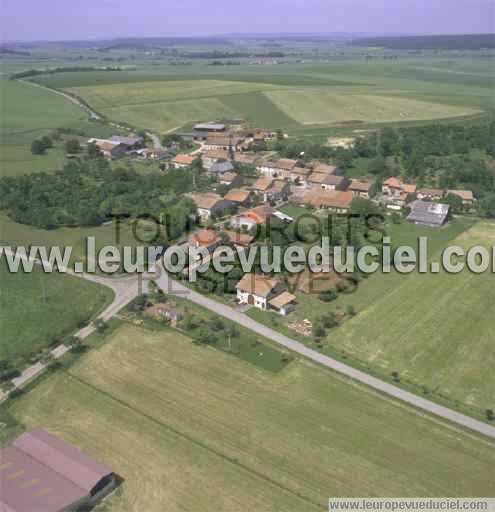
(43, 473)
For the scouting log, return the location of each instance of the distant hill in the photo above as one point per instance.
(443, 42)
(8, 51)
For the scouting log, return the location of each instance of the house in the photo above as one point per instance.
(466, 196)
(299, 175)
(264, 293)
(279, 169)
(361, 188)
(395, 193)
(432, 194)
(207, 238)
(130, 142)
(41, 472)
(333, 200)
(243, 159)
(182, 161)
(221, 167)
(230, 179)
(252, 218)
(109, 149)
(327, 181)
(213, 156)
(428, 213)
(225, 141)
(261, 185)
(263, 135)
(210, 205)
(279, 190)
(392, 187)
(239, 196)
(325, 169)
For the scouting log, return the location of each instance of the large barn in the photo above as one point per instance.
(40, 472)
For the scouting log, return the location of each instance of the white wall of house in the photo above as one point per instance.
(258, 301)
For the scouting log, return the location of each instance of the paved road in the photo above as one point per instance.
(175, 288)
(127, 288)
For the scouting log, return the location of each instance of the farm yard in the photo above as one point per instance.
(186, 421)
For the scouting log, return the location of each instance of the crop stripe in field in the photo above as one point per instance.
(196, 442)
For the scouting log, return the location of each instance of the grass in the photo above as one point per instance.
(15, 234)
(192, 429)
(47, 306)
(28, 113)
(433, 329)
(325, 106)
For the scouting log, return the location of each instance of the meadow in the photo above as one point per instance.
(433, 329)
(187, 421)
(340, 94)
(38, 309)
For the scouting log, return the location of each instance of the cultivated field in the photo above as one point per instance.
(325, 106)
(37, 309)
(434, 329)
(189, 428)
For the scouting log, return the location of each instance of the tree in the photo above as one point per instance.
(93, 151)
(396, 376)
(490, 415)
(377, 166)
(280, 134)
(47, 142)
(72, 146)
(327, 296)
(318, 330)
(37, 147)
(487, 206)
(329, 320)
(454, 201)
(350, 311)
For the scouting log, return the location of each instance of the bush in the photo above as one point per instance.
(327, 296)
(490, 415)
(319, 331)
(72, 146)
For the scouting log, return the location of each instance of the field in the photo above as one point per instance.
(325, 106)
(189, 428)
(302, 98)
(47, 306)
(29, 112)
(433, 329)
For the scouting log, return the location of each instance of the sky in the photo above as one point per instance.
(30, 20)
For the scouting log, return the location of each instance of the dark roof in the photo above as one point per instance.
(221, 167)
(43, 473)
(432, 214)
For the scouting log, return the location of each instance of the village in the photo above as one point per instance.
(248, 188)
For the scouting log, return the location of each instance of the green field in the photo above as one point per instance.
(189, 428)
(37, 309)
(326, 106)
(29, 112)
(433, 329)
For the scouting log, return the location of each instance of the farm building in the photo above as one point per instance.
(130, 142)
(239, 196)
(335, 201)
(264, 293)
(43, 473)
(466, 196)
(210, 205)
(281, 168)
(428, 214)
(230, 179)
(213, 156)
(109, 148)
(201, 130)
(182, 161)
(219, 168)
(433, 194)
(225, 141)
(361, 188)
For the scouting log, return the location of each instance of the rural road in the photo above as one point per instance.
(127, 288)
